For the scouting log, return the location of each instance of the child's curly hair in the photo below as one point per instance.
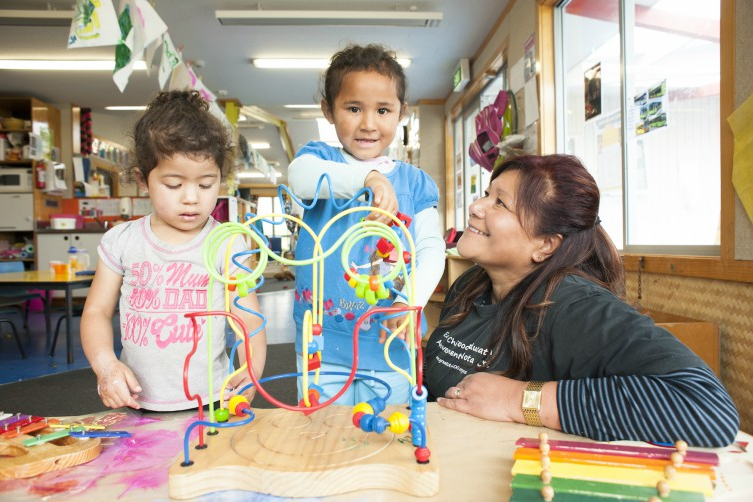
(178, 123)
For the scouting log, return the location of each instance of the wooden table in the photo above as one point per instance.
(44, 280)
(474, 456)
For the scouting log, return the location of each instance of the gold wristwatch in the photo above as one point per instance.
(532, 403)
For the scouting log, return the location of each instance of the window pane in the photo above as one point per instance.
(671, 145)
(591, 102)
(673, 174)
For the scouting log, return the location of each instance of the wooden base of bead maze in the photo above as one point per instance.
(289, 454)
(19, 461)
(592, 472)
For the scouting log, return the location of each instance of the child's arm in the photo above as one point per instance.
(430, 257)
(347, 179)
(258, 344)
(116, 384)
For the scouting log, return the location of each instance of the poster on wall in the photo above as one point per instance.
(592, 84)
(650, 109)
(529, 59)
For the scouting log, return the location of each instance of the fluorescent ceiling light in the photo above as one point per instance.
(304, 63)
(256, 174)
(36, 17)
(63, 65)
(259, 145)
(125, 108)
(331, 17)
(303, 106)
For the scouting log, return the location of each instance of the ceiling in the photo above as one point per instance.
(224, 54)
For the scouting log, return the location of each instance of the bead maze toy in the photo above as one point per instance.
(31, 445)
(311, 448)
(573, 470)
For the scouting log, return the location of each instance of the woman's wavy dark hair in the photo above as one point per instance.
(178, 123)
(555, 195)
(371, 57)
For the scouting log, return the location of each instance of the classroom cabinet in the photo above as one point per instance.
(18, 212)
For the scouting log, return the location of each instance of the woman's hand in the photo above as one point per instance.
(117, 386)
(488, 396)
(384, 196)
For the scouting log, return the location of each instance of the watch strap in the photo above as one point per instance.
(531, 415)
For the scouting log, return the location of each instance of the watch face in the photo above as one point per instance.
(531, 399)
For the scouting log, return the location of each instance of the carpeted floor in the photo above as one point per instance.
(75, 392)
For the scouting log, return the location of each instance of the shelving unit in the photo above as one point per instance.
(42, 120)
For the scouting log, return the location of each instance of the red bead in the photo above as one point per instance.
(384, 247)
(406, 256)
(422, 455)
(357, 418)
(314, 362)
(316, 329)
(405, 219)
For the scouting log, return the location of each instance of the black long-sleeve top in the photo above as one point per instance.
(620, 376)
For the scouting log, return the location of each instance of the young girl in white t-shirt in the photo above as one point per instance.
(154, 268)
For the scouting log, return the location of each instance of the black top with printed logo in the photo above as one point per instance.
(605, 355)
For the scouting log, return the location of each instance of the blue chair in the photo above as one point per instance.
(22, 297)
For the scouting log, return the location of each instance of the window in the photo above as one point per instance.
(470, 178)
(638, 102)
(270, 205)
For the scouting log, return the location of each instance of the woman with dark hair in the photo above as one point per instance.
(538, 332)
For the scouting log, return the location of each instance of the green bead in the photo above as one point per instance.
(221, 415)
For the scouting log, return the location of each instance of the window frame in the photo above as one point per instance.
(722, 267)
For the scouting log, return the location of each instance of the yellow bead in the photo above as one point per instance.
(363, 407)
(399, 423)
(235, 401)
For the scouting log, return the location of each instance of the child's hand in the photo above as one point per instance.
(117, 386)
(241, 380)
(394, 323)
(384, 196)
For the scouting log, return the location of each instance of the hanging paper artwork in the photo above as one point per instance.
(197, 84)
(170, 59)
(129, 46)
(94, 24)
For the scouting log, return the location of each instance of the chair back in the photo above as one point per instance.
(11, 266)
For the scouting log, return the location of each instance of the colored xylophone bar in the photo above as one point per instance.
(573, 470)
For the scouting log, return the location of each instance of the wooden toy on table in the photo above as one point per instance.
(574, 471)
(312, 449)
(31, 445)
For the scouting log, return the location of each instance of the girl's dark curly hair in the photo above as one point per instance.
(372, 57)
(178, 123)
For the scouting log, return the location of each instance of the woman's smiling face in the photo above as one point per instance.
(495, 238)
